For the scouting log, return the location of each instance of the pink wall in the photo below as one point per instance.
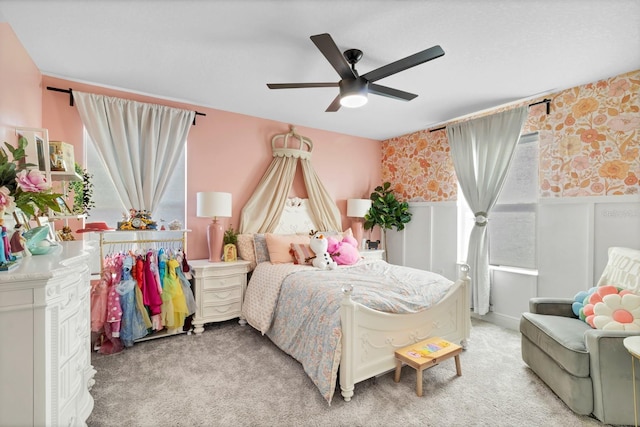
(589, 146)
(20, 99)
(230, 152)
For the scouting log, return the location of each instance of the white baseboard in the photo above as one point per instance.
(502, 320)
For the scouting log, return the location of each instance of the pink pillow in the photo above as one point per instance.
(302, 253)
(280, 244)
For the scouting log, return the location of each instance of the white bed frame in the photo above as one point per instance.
(370, 337)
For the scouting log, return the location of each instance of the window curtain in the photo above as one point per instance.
(482, 150)
(262, 212)
(137, 142)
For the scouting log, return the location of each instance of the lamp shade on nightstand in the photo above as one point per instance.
(357, 209)
(213, 204)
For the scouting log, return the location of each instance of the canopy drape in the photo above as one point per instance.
(262, 212)
(137, 142)
(482, 150)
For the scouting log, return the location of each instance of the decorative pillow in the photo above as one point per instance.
(622, 269)
(580, 300)
(618, 312)
(260, 247)
(279, 245)
(302, 253)
(245, 247)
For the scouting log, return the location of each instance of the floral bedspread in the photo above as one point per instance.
(305, 316)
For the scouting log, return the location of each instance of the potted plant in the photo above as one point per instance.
(386, 211)
(82, 192)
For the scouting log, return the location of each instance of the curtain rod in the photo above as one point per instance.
(544, 101)
(70, 92)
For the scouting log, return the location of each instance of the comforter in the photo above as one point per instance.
(298, 307)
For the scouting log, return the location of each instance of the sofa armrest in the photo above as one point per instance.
(552, 306)
(610, 364)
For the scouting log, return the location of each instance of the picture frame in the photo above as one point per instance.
(64, 208)
(21, 218)
(230, 253)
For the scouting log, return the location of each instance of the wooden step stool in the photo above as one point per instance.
(424, 355)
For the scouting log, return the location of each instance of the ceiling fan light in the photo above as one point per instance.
(353, 93)
(353, 101)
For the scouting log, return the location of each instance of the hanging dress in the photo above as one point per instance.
(133, 326)
(173, 288)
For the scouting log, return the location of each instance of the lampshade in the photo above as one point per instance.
(358, 208)
(353, 93)
(213, 204)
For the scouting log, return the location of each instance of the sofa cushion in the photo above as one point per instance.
(562, 338)
(622, 269)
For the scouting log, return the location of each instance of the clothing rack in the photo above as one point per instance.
(114, 237)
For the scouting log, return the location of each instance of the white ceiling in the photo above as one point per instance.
(221, 54)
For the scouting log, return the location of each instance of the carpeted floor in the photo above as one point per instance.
(233, 376)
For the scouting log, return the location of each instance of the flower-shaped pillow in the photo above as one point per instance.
(617, 310)
(580, 300)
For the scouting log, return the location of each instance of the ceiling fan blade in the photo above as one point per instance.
(299, 85)
(334, 106)
(390, 92)
(405, 63)
(328, 47)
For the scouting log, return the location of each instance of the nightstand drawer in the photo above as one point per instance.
(213, 312)
(222, 295)
(235, 280)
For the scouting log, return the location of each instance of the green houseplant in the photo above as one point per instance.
(82, 192)
(386, 211)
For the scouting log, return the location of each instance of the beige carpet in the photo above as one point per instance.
(233, 376)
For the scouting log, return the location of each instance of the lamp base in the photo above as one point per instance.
(215, 233)
(357, 229)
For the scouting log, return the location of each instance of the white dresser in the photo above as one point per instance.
(45, 354)
(219, 290)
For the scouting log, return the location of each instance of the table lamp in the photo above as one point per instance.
(214, 205)
(357, 209)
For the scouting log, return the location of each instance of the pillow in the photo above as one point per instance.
(580, 301)
(622, 269)
(302, 253)
(260, 248)
(279, 245)
(245, 247)
(618, 312)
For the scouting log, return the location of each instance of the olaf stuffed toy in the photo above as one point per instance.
(322, 260)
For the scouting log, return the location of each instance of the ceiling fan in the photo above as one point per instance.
(354, 88)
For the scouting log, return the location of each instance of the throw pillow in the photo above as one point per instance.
(302, 253)
(279, 245)
(622, 269)
(260, 247)
(618, 312)
(245, 247)
(579, 301)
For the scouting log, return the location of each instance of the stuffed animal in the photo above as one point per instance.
(344, 252)
(319, 245)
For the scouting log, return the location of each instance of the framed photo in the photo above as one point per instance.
(230, 253)
(21, 218)
(64, 209)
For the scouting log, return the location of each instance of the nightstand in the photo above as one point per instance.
(372, 254)
(219, 291)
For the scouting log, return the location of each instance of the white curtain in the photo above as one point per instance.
(261, 214)
(481, 150)
(138, 143)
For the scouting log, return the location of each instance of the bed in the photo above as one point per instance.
(344, 325)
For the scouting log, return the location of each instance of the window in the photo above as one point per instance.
(512, 221)
(108, 207)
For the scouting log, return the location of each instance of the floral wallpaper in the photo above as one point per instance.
(589, 146)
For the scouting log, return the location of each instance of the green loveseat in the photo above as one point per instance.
(589, 369)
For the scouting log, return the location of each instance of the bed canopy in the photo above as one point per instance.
(262, 212)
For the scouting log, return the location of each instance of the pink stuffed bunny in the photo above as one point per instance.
(344, 252)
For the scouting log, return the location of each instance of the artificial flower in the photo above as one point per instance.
(21, 187)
